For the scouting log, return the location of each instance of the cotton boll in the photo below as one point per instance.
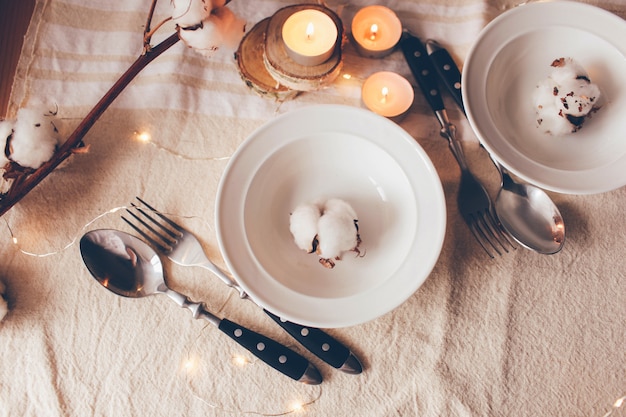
(303, 225)
(4, 306)
(565, 99)
(221, 28)
(328, 228)
(35, 138)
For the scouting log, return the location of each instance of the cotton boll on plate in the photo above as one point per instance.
(565, 99)
(327, 228)
(512, 55)
(292, 197)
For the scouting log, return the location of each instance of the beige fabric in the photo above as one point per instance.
(521, 335)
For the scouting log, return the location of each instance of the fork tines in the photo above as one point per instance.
(489, 233)
(159, 235)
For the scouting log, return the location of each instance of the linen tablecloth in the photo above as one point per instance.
(520, 335)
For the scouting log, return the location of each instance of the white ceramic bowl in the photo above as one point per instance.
(511, 56)
(321, 152)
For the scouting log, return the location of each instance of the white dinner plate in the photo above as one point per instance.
(321, 152)
(511, 56)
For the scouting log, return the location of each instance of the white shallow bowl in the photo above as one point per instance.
(511, 56)
(321, 152)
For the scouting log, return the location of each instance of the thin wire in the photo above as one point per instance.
(619, 403)
(68, 245)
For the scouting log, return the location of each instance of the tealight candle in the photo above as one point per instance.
(388, 94)
(310, 37)
(376, 30)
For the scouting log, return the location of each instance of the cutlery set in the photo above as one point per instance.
(522, 212)
(142, 275)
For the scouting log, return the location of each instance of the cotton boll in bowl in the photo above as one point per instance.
(328, 228)
(317, 168)
(511, 55)
(565, 99)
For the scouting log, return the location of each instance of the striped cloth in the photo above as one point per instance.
(522, 335)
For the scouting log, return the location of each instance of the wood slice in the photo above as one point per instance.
(249, 57)
(288, 72)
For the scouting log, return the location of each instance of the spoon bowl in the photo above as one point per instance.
(127, 266)
(529, 215)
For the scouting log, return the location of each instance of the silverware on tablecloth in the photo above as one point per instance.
(524, 210)
(128, 267)
(473, 200)
(183, 248)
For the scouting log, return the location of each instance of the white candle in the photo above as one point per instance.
(376, 30)
(388, 94)
(310, 37)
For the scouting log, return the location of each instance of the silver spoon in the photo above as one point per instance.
(129, 267)
(525, 211)
(529, 214)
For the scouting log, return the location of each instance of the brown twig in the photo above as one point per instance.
(24, 181)
(22, 185)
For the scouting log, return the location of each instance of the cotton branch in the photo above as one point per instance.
(26, 181)
(23, 180)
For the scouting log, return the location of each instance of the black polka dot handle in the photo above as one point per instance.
(322, 345)
(447, 69)
(422, 69)
(272, 353)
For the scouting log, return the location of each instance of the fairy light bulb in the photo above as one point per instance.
(297, 406)
(240, 360)
(144, 136)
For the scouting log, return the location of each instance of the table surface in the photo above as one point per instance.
(520, 335)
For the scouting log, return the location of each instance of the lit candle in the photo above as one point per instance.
(388, 94)
(310, 37)
(375, 30)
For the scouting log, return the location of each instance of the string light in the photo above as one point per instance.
(145, 137)
(243, 366)
(616, 406)
(68, 245)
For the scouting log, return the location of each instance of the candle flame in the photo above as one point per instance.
(373, 32)
(309, 31)
(385, 93)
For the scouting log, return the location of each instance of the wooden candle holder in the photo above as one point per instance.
(284, 69)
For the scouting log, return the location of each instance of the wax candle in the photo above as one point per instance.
(388, 94)
(375, 30)
(310, 37)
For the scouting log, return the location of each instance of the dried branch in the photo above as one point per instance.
(26, 181)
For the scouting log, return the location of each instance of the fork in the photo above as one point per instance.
(473, 200)
(183, 248)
